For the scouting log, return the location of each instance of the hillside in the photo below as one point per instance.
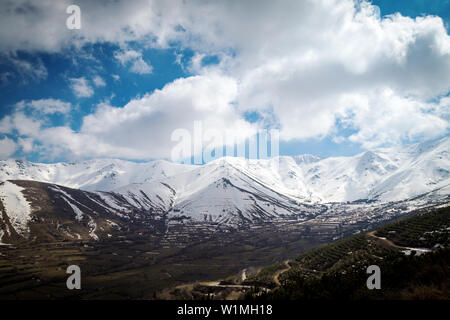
(233, 192)
(413, 255)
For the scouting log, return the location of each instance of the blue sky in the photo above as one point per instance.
(414, 8)
(255, 83)
(101, 63)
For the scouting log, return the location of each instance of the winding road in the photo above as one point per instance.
(392, 244)
(279, 272)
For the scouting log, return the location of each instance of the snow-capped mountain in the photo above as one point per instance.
(231, 190)
(102, 174)
(383, 174)
(389, 174)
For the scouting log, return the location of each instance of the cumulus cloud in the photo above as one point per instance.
(386, 118)
(141, 67)
(303, 66)
(26, 144)
(304, 76)
(41, 25)
(7, 148)
(20, 123)
(46, 106)
(133, 58)
(143, 128)
(21, 69)
(98, 81)
(81, 87)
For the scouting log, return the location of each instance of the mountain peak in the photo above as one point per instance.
(397, 173)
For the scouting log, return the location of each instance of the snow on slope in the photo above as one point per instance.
(347, 178)
(150, 195)
(231, 187)
(16, 206)
(387, 174)
(100, 174)
(426, 168)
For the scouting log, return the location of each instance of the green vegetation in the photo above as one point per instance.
(338, 271)
(424, 230)
(403, 277)
(265, 277)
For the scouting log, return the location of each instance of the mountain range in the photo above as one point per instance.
(93, 198)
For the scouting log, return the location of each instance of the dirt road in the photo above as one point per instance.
(279, 272)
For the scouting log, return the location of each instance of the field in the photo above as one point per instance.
(136, 268)
(272, 261)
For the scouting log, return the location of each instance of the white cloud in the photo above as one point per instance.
(24, 70)
(142, 129)
(26, 144)
(138, 65)
(25, 125)
(46, 106)
(6, 124)
(385, 118)
(7, 148)
(98, 81)
(141, 67)
(304, 65)
(306, 68)
(125, 56)
(81, 87)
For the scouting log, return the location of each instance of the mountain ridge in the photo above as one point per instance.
(231, 191)
(307, 178)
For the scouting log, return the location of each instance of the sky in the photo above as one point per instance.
(334, 77)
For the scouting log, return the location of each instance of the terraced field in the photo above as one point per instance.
(338, 270)
(136, 267)
(425, 230)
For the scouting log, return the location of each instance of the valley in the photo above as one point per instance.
(412, 254)
(139, 230)
(136, 267)
(146, 266)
